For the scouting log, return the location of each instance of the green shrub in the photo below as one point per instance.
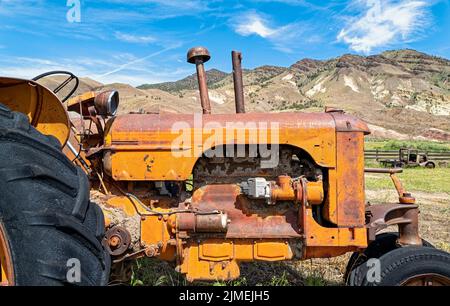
(422, 145)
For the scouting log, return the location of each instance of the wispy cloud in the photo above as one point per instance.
(121, 67)
(254, 23)
(29, 8)
(160, 9)
(138, 39)
(321, 5)
(136, 61)
(383, 23)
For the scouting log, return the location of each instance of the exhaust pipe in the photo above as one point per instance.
(236, 58)
(199, 56)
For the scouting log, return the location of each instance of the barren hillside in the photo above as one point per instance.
(85, 84)
(401, 94)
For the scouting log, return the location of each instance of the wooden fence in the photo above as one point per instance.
(393, 154)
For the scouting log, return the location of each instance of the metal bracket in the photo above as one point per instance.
(406, 216)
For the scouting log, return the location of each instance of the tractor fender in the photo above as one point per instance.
(43, 108)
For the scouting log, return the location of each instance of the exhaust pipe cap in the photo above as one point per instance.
(198, 54)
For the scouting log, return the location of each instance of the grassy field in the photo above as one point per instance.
(417, 179)
(372, 144)
(430, 187)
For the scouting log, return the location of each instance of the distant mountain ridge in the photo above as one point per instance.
(400, 93)
(189, 83)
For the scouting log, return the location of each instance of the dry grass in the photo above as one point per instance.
(316, 272)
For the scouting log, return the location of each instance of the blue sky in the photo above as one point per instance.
(145, 41)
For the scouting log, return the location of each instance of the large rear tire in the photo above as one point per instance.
(52, 230)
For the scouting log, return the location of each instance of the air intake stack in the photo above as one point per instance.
(199, 56)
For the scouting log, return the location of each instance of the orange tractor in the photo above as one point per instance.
(84, 187)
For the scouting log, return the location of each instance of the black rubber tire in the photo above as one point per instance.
(384, 243)
(430, 165)
(45, 209)
(400, 264)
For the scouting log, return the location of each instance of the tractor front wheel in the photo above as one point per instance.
(384, 243)
(407, 266)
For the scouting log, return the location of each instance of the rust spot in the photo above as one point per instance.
(249, 218)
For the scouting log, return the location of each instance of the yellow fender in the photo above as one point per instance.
(43, 108)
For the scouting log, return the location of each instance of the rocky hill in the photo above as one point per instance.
(85, 84)
(401, 93)
(213, 76)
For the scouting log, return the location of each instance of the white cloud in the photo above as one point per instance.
(283, 38)
(383, 23)
(253, 23)
(135, 38)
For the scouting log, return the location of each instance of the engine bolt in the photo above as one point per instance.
(114, 241)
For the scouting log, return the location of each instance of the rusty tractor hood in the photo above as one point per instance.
(167, 146)
(147, 128)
